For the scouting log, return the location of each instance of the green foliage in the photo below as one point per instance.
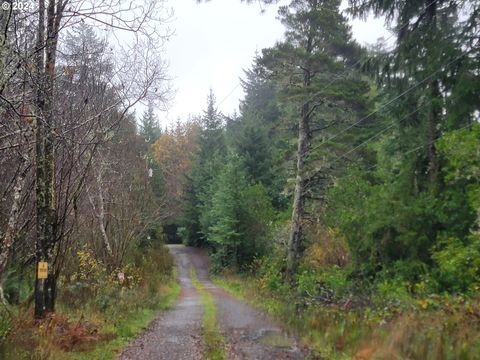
(459, 264)
(149, 128)
(157, 180)
(307, 281)
(227, 203)
(392, 292)
(261, 95)
(251, 142)
(239, 217)
(269, 272)
(18, 284)
(380, 224)
(336, 280)
(5, 323)
(206, 167)
(398, 230)
(457, 256)
(461, 150)
(155, 236)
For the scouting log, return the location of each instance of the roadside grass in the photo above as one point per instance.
(129, 326)
(213, 339)
(448, 329)
(94, 327)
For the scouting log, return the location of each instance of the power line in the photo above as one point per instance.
(409, 151)
(338, 158)
(228, 95)
(352, 67)
(396, 98)
(433, 141)
(379, 133)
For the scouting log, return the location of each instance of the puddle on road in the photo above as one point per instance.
(274, 338)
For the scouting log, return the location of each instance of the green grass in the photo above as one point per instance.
(120, 330)
(213, 339)
(449, 331)
(94, 325)
(242, 289)
(128, 327)
(322, 342)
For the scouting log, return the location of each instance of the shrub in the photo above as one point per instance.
(94, 284)
(5, 322)
(270, 273)
(329, 248)
(392, 292)
(458, 263)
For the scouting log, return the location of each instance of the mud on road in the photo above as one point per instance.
(177, 333)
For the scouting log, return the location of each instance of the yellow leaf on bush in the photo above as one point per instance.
(423, 303)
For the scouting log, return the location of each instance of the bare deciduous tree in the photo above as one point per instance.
(73, 100)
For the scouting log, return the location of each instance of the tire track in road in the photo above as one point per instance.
(177, 334)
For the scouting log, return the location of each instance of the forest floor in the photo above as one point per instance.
(246, 333)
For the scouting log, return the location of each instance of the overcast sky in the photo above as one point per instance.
(214, 41)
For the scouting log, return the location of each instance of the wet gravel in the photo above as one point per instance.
(250, 334)
(176, 334)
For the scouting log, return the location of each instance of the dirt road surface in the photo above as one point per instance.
(177, 334)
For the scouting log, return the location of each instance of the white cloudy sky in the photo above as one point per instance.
(214, 41)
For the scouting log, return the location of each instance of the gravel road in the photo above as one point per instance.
(176, 334)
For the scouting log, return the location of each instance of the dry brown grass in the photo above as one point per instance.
(55, 332)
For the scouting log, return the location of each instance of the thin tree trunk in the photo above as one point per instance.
(101, 220)
(100, 214)
(9, 235)
(434, 117)
(295, 239)
(432, 136)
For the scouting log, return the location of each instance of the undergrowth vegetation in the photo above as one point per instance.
(98, 309)
(343, 319)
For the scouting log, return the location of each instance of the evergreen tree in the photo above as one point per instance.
(239, 215)
(150, 132)
(149, 128)
(434, 53)
(211, 137)
(224, 230)
(405, 208)
(206, 166)
(260, 94)
(316, 49)
(252, 143)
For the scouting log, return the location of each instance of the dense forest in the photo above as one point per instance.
(344, 197)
